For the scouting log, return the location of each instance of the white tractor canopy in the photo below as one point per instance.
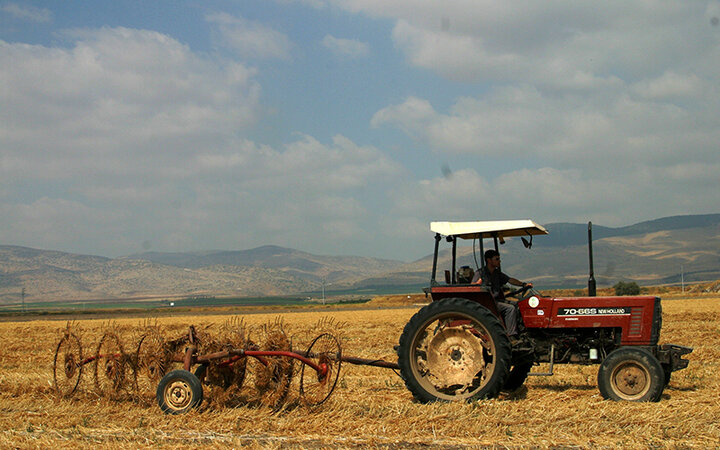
(489, 229)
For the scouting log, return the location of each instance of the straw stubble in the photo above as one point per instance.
(370, 406)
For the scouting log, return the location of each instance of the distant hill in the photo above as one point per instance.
(301, 264)
(567, 234)
(264, 271)
(651, 252)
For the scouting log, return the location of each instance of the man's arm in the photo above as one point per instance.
(516, 282)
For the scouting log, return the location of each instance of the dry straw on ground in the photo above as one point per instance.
(371, 406)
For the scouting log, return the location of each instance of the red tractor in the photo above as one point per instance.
(457, 349)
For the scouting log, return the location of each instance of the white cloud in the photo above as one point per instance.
(318, 4)
(351, 48)
(305, 165)
(575, 83)
(140, 139)
(558, 109)
(304, 194)
(412, 116)
(644, 125)
(671, 85)
(118, 101)
(250, 39)
(547, 195)
(610, 110)
(27, 13)
(544, 194)
(502, 125)
(56, 223)
(559, 44)
(446, 196)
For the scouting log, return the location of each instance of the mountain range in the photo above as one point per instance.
(660, 251)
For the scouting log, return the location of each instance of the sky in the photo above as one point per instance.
(344, 127)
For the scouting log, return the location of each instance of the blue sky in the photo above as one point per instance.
(346, 126)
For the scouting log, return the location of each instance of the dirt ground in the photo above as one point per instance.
(370, 407)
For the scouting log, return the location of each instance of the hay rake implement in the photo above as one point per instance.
(176, 371)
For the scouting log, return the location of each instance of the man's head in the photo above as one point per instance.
(492, 259)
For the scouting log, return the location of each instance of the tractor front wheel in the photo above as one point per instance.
(454, 350)
(667, 369)
(517, 377)
(631, 374)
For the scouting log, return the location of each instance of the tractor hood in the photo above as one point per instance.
(490, 229)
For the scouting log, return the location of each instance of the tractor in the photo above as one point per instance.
(456, 348)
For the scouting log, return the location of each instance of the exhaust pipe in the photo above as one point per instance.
(591, 281)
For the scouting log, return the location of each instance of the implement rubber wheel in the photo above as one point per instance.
(454, 350)
(631, 374)
(178, 392)
(67, 367)
(517, 377)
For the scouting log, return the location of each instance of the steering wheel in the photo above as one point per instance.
(518, 293)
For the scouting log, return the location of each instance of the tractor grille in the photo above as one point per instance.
(656, 323)
(635, 322)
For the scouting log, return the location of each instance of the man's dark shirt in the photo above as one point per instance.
(495, 281)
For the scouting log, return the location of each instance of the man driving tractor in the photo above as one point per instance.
(491, 276)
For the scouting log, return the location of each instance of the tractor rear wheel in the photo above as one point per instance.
(631, 374)
(454, 350)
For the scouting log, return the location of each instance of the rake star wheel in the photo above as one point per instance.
(152, 362)
(213, 374)
(219, 373)
(234, 335)
(67, 369)
(273, 375)
(316, 387)
(226, 376)
(110, 368)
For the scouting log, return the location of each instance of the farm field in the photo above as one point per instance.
(370, 407)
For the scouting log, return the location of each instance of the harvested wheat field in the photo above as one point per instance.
(370, 407)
